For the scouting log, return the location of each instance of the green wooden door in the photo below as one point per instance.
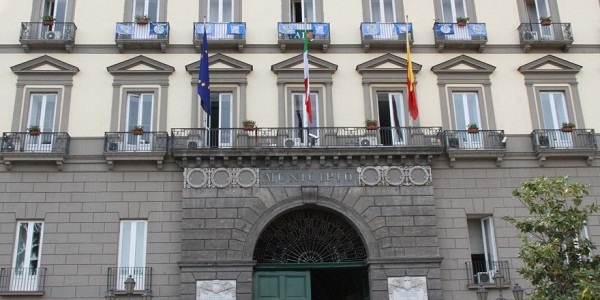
(282, 285)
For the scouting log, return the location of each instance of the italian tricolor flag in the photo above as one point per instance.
(307, 37)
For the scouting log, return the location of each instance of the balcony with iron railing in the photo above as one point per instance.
(150, 35)
(475, 144)
(130, 146)
(563, 143)
(220, 35)
(550, 36)
(482, 272)
(454, 35)
(322, 142)
(54, 35)
(382, 35)
(22, 281)
(28, 146)
(117, 276)
(292, 35)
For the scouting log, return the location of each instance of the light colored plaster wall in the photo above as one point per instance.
(344, 18)
(583, 17)
(13, 13)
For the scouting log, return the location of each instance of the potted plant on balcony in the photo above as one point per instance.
(371, 124)
(567, 127)
(48, 20)
(545, 21)
(34, 130)
(472, 128)
(142, 19)
(462, 21)
(137, 130)
(249, 125)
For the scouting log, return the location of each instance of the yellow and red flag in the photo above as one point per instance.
(413, 108)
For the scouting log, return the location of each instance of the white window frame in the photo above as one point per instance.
(306, 14)
(29, 280)
(400, 132)
(133, 239)
(225, 100)
(42, 112)
(449, 16)
(220, 11)
(466, 111)
(554, 113)
(142, 117)
(154, 16)
(383, 10)
(302, 136)
(56, 8)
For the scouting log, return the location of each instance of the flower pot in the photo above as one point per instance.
(461, 23)
(48, 22)
(137, 132)
(142, 21)
(34, 132)
(372, 127)
(567, 129)
(473, 130)
(545, 22)
(249, 127)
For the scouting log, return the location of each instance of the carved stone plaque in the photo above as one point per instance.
(215, 289)
(407, 288)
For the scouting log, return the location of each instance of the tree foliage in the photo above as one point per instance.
(558, 259)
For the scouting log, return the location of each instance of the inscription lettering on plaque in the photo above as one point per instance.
(215, 290)
(329, 177)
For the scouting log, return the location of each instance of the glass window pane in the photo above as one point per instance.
(139, 7)
(21, 246)
(460, 9)
(60, 13)
(147, 111)
(447, 14)
(314, 100)
(227, 11)
(459, 111)
(388, 9)
(375, 11)
(133, 108)
(225, 113)
(309, 10)
(153, 10)
(140, 243)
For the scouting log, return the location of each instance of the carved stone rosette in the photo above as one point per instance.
(394, 176)
(196, 178)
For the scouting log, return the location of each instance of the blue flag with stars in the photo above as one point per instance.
(203, 78)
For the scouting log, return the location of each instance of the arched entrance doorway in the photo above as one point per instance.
(310, 254)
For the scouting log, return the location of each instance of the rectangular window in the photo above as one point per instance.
(300, 119)
(220, 11)
(483, 249)
(554, 111)
(466, 111)
(303, 11)
(383, 11)
(42, 112)
(537, 9)
(57, 9)
(148, 8)
(451, 9)
(391, 117)
(132, 253)
(27, 256)
(140, 109)
(221, 120)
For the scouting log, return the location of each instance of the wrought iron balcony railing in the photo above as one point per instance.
(293, 34)
(318, 137)
(483, 272)
(39, 35)
(454, 35)
(220, 34)
(14, 281)
(148, 141)
(117, 276)
(554, 35)
(480, 140)
(394, 34)
(45, 142)
(556, 139)
(132, 34)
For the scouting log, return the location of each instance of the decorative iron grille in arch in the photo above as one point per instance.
(309, 236)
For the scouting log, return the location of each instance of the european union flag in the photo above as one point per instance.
(203, 78)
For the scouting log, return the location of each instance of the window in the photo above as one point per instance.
(146, 8)
(220, 11)
(466, 111)
(57, 9)
(391, 113)
(221, 117)
(42, 111)
(27, 256)
(554, 109)
(383, 11)
(482, 240)
(299, 121)
(140, 110)
(451, 9)
(537, 9)
(132, 253)
(300, 11)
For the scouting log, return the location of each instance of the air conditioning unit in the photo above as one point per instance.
(543, 141)
(485, 277)
(530, 35)
(194, 144)
(52, 35)
(368, 141)
(453, 142)
(292, 142)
